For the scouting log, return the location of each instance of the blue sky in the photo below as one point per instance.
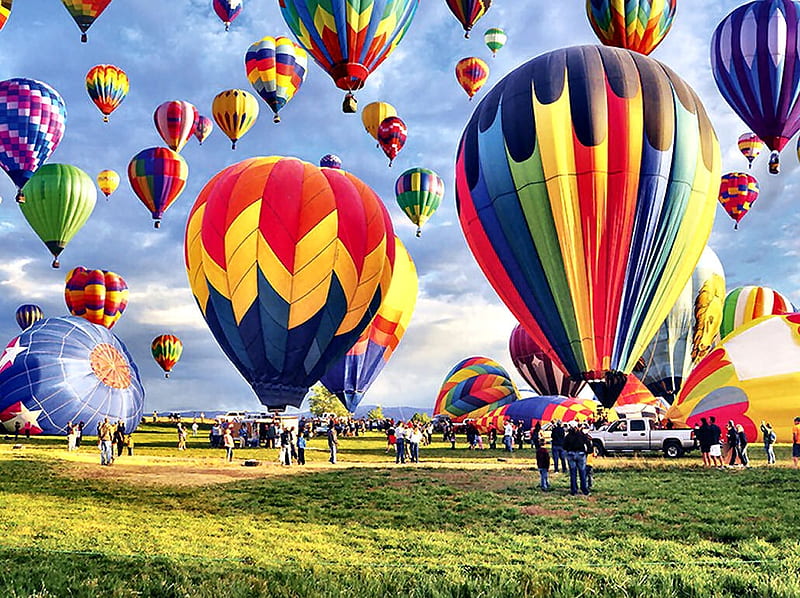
(178, 49)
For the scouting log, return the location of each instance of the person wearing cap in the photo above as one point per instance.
(796, 441)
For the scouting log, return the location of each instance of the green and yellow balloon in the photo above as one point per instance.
(419, 193)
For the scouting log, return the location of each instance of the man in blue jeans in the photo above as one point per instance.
(557, 441)
(575, 444)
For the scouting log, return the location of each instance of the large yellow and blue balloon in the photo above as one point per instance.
(289, 263)
(573, 204)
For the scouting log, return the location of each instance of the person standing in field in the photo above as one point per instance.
(575, 443)
(769, 441)
(70, 437)
(741, 445)
(119, 438)
(391, 440)
(27, 430)
(129, 444)
(181, 437)
(731, 442)
(301, 449)
(543, 464)
(17, 426)
(104, 435)
(796, 441)
(703, 437)
(414, 440)
(333, 441)
(508, 436)
(79, 434)
(714, 447)
(400, 443)
(286, 446)
(557, 445)
(227, 442)
(194, 429)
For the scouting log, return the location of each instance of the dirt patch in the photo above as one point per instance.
(540, 511)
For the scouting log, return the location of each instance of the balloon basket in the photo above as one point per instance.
(466, 34)
(350, 103)
(736, 226)
(84, 39)
(419, 232)
(276, 119)
(157, 224)
(105, 119)
(227, 26)
(20, 196)
(166, 375)
(56, 263)
(233, 145)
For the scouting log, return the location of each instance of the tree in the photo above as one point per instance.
(324, 401)
(375, 413)
(421, 417)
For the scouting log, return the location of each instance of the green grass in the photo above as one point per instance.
(462, 524)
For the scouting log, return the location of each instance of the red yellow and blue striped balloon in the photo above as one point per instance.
(289, 263)
(471, 74)
(473, 387)
(468, 12)
(107, 86)
(349, 39)
(738, 191)
(350, 377)
(276, 68)
(85, 13)
(167, 350)
(638, 25)
(227, 11)
(98, 296)
(419, 192)
(28, 314)
(5, 11)
(176, 122)
(574, 204)
(157, 176)
(745, 304)
(751, 145)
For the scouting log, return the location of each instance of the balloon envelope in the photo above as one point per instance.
(157, 176)
(98, 296)
(750, 146)
(234, 111)
(276, 68)
(638, 25)
(738, 191)
(473, 387)
(468, 12)
(107, 182)
(5, 11)
(27, 315)
(745, 304)
(85, 12)
(330, 161)
(107, 85)
(538, 409)
(176, 121)
(227, 10)
(419, 192)
(63, 370)
(203, 129)
(471, 74)
(167, 350)
(538, 370)
(392, 134)
(495, 39)
(374, 114)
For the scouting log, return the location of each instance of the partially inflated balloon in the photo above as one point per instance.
(471, 74)
(392, 134)
(738, 191)
(85, 12)
(745, 304)
(107, 182)
(5, 11)
(374, 114)
(167, 350)
(235, 111)
(276, 67)
(473, 387)
(750, 146)
(495, 39)
(754, 54)
(349, 41)
(350, 377)
(203, 129)
(27, 315)
(157, 176)
(63, 370)
(638, 25)
(227, 11)
(468, 12)
(107, 86)
(538, 409)
(586, 183)
(636, 400)
(330, 161)
(32, 120)
(288, 263)
(419, 192)
(59, 200)
(98, 296)
(544, 376)
(175, 121)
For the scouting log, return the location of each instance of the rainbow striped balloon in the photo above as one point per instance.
(351, 376)
(157, 175)
(468, 12)
(107, 85)
(85, 12)
(537, 409)
(638, 25)
(289, 263)
(98, 296)
(745, 304)
(419, 192)
(473, 387)
(276, 68)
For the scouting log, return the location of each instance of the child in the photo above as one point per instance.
(543, 463)
(129, 444)
(452, 437)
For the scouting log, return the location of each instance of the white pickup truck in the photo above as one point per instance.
(639, 434)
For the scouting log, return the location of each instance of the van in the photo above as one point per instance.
(234, 416)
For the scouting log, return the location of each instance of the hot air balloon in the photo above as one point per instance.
(290, 272)
(32, 119)
(176, 121)
(349, 42)
(419, 192)
(108, 181)
(588, 252)
(157, 176)
(473, 387)
(638, 25)
(752, 376)
(744, 304)
(167, 350)
(5, 11)
(471, 74)
(330, 161)
(203, 129)
(750, 146)
(374, 114)
(27, 315)
(538, 370)
(276, 67)
(495, 39)
(235, 111)
(227, 11)
(350, 377)
(754, 52)
(689, 332)
(636, 400)
(738, 191)
(468, 12)
(392, 134)
(107, 86)
(62, 370)
(85, 12)
(538, 409)
(98, 296)
(60, 199)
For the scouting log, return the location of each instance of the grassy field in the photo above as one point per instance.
(460, 524)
